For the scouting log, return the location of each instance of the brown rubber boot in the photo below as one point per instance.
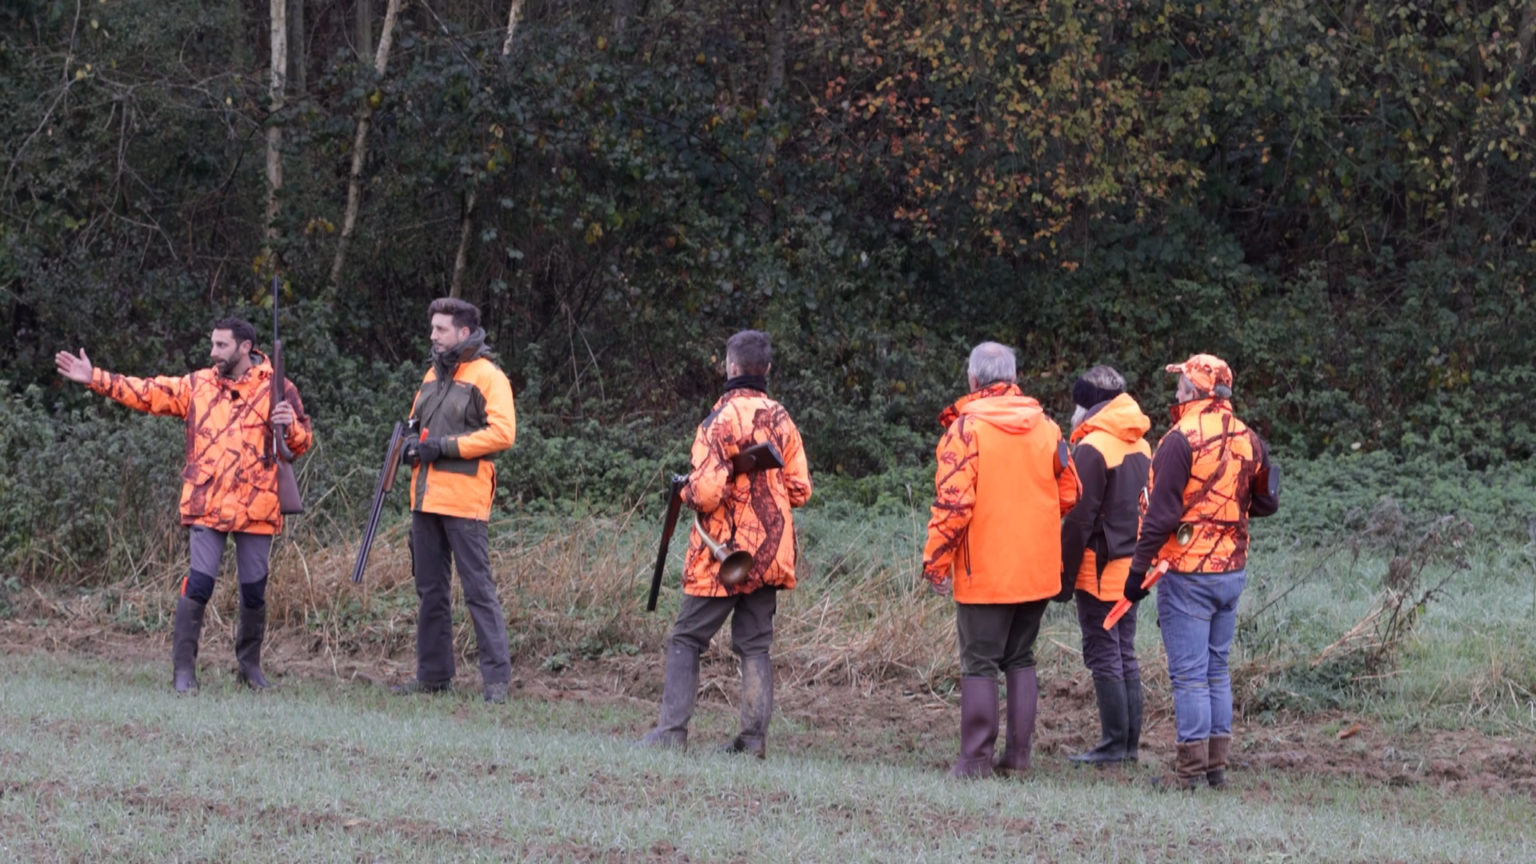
(756, 706)
(186, 630)
(678, 692)
(1023, 700)
(1133, 711)
(1216, 761)
(978, 727)
(249, 634)
(1189, 762)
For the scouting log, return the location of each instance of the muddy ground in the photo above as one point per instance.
(892, 721)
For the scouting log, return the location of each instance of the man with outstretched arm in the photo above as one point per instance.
(1097, 539)
(1004, 479)
(229, 484)
(466, 417)
(743, 511)
(1209, 474)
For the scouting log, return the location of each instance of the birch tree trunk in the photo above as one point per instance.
(360, 150)
(279, 36)
(466, 221)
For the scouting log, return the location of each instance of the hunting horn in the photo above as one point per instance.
(734, 566)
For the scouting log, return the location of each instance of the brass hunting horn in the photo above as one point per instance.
(734, 566)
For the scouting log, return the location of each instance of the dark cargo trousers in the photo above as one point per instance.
(437, 543)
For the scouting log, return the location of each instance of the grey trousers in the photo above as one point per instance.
(751, 624)
(437, 543)
(252, 553)
(998, 636)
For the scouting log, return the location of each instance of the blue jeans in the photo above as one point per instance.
(1197, 613)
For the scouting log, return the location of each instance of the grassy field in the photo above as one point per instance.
(1386, 685)
(100, 763)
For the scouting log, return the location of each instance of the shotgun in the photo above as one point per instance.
(289, 501)
(386, 483)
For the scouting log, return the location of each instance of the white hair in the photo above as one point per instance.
(992, 362)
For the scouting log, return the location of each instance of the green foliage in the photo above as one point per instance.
(1338, 202)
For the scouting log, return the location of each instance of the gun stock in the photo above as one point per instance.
(668, 526)
(381, 489)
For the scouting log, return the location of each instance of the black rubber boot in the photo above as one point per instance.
(1114, 718)
(978, 726)
(756, 706)
(250, 632)
(1023, 701)
(678, 692)
(185, 632)
(1133, 709)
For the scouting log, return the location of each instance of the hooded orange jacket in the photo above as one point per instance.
(1205, 473)
(1004, 479)
(228, 483)
(747, 511)
(1099, 535)
(472, 413)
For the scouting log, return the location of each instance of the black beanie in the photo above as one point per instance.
(1088, 395)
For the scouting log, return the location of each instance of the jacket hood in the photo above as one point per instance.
(950, 414)
(1015, 415)
(1120, 417)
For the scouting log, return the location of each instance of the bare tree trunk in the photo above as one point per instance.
(298, 48)
(778, 48)
(513, 12)
(279, 36)
(364, 24)
(466, 221)
(360, 150)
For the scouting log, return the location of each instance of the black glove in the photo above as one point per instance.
(427, 451)
(1133, 590)
(1068, 588)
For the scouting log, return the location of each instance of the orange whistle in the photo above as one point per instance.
(1123, 605)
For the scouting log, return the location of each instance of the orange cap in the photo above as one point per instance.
(1205, 371)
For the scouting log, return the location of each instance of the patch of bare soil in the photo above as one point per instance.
(890, 721)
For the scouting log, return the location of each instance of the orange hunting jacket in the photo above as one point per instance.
(748, 511)
(228, 483)
(474, 416)
(1206, 472)
(1112, 459)
(1004, 479)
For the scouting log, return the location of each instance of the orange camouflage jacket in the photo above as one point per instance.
(748, 511)
(229, 483)
(1209, 472)
(1003, 481)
